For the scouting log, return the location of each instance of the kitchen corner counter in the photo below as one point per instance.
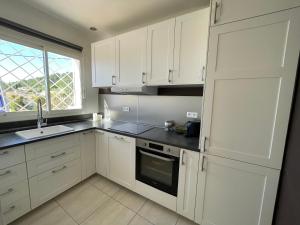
(155, 134)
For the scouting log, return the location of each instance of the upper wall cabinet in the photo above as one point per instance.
(191, 39)
(131, 57)
(170, 52)
(104, 63)
(225, 11)
(249, 87)
(160, 52)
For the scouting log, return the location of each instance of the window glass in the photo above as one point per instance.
(64, 82)
(22, 77)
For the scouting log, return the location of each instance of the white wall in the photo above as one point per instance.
(17, 11)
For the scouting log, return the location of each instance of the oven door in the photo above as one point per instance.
(157, 170)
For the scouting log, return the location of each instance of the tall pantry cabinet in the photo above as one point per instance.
(252, 63)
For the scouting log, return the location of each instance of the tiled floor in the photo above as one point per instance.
(99, 201)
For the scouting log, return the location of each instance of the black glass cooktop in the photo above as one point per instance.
(132, 128)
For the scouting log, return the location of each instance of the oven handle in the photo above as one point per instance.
(157, 156)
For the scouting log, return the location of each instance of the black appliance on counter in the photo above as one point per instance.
(157, 165)
(192, 129)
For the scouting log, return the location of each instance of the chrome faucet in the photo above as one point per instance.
(40, 119)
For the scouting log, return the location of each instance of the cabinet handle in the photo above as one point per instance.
(217, 5)
(10, 209)
(143, 76)
(204, 143)
(120, 138)
(87, 132)
(55, 171)
(10, 190)
(4, 153)
(5, 173)
(113, 80)
(202, 73)
(182, 158)
(202, 164)
(59, 155)
(169, 76)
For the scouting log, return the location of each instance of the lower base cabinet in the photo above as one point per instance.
(121, 160)
(234, 193)
(15, 210)
(47, 185)
(101, 152)
(88, 153)
(187, 183)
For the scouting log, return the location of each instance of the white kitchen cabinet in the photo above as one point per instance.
(225, 11)
(190, 52)
(49, 184)
(160, 52)
(121, 159)
(101, 152)
(88, 153)
(187, 183)
(233, 193)
(249, 87)
(131, 57)
(104, 63)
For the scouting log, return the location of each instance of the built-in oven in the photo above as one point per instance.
(157, 165)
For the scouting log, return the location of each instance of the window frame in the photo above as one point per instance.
(32, 42)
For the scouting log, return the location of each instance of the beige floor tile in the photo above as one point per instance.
(184, 221)
(130, 199)
(105, 185)
(138, 220)
(157, 214)
(81, 201)
(49, 214)
(110, 213)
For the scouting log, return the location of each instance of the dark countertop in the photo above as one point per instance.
(155, 134)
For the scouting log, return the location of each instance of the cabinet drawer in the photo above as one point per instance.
(12, 175)
(48, 147)
(13, 193)
(12, 156)
(15, 210)
(49, 184)
(48, 162)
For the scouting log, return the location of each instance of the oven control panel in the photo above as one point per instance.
(153, 146)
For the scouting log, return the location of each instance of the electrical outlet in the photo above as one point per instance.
(192, 115)
(125, 108)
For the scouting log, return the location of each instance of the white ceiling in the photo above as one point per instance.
(114, 16)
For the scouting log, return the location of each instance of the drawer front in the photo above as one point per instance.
(13, 175)
(45, 186)
(48, 162)
(13, 193)
(15, 210)
(48, 147)
(12, 156)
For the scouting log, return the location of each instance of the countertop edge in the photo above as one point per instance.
(24, 141)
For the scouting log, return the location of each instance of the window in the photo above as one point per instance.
(26, 75)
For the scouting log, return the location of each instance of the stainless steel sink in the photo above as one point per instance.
(43, 132)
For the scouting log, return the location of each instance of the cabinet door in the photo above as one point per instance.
(233, 193)
(101, 153)
(131, 57)
(249, 86)
(88, 153)
(187, 184)
(47, 185)
(225, 11)
(104, 63)
(160, 51)
(191, 39)
(121, 151)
